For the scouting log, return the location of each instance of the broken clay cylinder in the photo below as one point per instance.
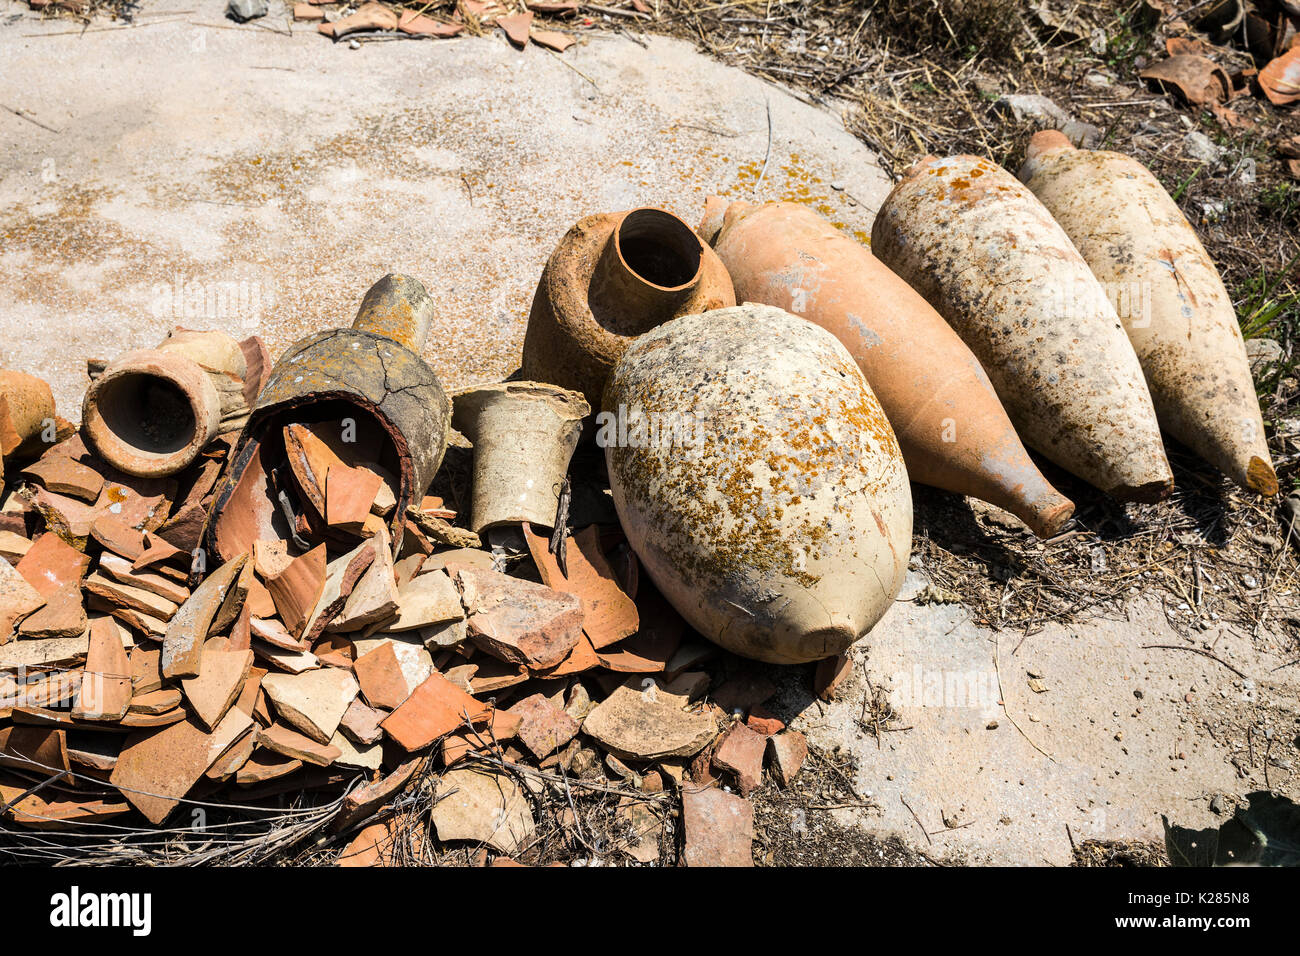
(953, 430)
(613, 277)
(26, 408)
(759, 482)
(152, 411)
(988, 256)
(524, 434)
(360, 375)
(1168, 295)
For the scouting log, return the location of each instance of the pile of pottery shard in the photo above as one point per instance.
(237, 581)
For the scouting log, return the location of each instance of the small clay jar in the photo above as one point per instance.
(153, 410)
(613, 277)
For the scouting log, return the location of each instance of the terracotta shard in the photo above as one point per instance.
(582, 657)
(1199, 80)
(63, 615)
(13, 546)
(518, 621)
(361, 723)
(516, 27)
(157, 551)
(157, 768)
(289, 743)
(118, 595)
(118, 537)
(51, 564)
(349, 493)
(363, 801)
(543, 727)
(120, 570)
(417, 24)
(369, 16)
(297, 589)
(374, 598)
(740, 752)
(42, 811)
(314, 702)
(157, 702)
(640, 722)
(186, 631)
(608, 614)
(341, 576)
(106, 689)
(263, 767)
(61, 474)
(382, 678)
(552, 39)
(484, 807)
(39, 749)
(426, 599)
(376, 845)
(1280, 78)
(719, 828)
(434, 709)
(18, 598)
(221, 678)
(787, 751)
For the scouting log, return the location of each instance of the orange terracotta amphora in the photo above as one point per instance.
(613, 277)
(953, 430)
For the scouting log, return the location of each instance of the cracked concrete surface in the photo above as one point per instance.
(231, 177)
(1102, 730)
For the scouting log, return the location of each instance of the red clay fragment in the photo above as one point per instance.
(434, 709)
(1199, 80)
(417, 24)
(552, 40)
(516, 27)
(1280, 79)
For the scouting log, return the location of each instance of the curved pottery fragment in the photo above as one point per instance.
(950, 424)
(612, 277)
(758, 481)
(988, 256)
(1170, 298)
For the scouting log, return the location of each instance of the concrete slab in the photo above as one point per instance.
(1112, 731)
(231, 177)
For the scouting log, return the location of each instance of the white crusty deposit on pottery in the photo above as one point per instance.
(988, 256)
(777, 518)
(1171, 300)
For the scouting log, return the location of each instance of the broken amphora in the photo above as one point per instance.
(1169, 296)
(950, 424)
(612, 277)
(151, 411)
(26, 411)
(988, 256)
(758, 481)
(524, 434)
(372, 380)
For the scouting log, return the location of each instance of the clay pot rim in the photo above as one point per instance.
(672, 222)
(178, 371)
